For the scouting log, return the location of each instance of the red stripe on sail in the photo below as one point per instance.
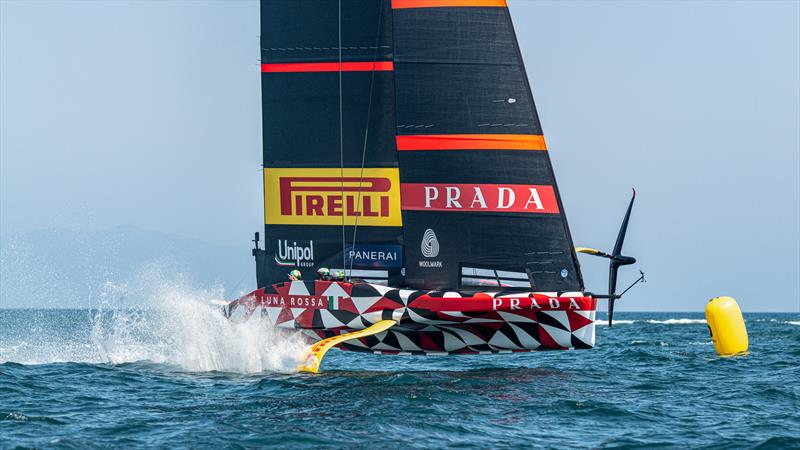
(471, 142)
(404, 4)
(511, 198)
(328, 67)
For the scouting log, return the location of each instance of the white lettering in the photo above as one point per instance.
(430, 263)
(515, 303)
(554, 303)
(453, 193)
(496, 302)
(431, 193)
(372, 255)
(300, 302)
(534, 199)
(478, 198)
(501, 198)
(299, 255)
(573, 303)
(535, 304)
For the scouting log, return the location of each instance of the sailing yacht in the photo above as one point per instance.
(402, 147)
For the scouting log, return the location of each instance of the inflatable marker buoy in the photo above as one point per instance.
(726, 324)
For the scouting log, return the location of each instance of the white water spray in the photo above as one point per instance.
(170, 323)
(182, 327)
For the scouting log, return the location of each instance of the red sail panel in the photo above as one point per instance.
(479, 198)
(401, 4)
(471, 142)
(358, 66)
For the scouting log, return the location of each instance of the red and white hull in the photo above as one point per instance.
(428, 322)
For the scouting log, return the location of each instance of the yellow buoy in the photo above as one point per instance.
(726, 324)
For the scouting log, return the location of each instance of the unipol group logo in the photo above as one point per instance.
(294, 254)
(332, 196)
(513, 198)
(430, 249)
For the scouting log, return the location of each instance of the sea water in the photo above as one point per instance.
(180, 375)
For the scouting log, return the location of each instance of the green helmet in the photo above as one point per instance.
(296, 274)
(339, 275)
(323, 272)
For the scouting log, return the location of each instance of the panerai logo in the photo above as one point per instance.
(430, 249)
(294, 254)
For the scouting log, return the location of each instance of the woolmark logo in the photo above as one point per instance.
(430, 245)
(294, 254)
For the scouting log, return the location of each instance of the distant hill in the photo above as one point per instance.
(64, 268)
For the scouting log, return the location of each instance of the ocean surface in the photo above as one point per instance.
(181, 376)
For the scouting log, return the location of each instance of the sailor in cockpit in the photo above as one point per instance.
(323, 274)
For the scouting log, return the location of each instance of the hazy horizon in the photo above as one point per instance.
(204, 278)
(147, 114)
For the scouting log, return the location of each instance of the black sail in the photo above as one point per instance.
(319, 172)
(410, 125)
(478, 189)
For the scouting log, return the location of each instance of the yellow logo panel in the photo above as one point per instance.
(324, 196)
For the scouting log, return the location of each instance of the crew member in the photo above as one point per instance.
(339, 276)
(324, 274)
(295, 275)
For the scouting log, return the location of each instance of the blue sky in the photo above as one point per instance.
(148, 114)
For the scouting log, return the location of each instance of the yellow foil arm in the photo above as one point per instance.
(317, 351)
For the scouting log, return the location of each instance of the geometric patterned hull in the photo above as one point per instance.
(429, 322)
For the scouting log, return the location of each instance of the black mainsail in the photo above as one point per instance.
(401, 137)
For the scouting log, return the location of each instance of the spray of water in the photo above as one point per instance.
(169, 323)
(182, 327)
